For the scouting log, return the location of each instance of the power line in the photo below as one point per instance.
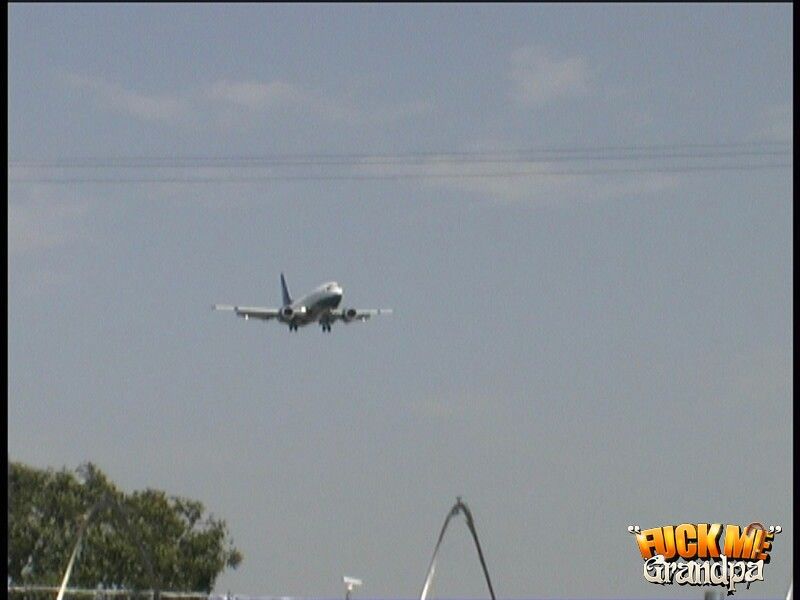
(401, 176)
(654, 158)
(782, 147)
(533, 155)
(264, 162)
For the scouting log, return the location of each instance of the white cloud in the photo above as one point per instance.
(38, 281)
(257, 95)
(468, 407)
(552, 187)
(397, 112)
(232, 103)
(538, 79)
(777, 123)
(41, 223)
(148, 107)
(267, 96)
(547, 183)
(260, 96)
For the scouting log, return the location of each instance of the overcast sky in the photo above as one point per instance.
(571, 353)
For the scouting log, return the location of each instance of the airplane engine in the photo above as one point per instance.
(349, 314)
(288, 313)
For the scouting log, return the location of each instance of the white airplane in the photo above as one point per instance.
(320, 305)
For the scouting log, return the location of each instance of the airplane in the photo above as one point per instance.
(321, 305)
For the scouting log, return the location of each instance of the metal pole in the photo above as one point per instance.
(123, 518)
(68, 572)
(459, 506)
(432, 566)
(472, 530)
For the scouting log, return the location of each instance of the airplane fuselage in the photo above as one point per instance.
(314, 306)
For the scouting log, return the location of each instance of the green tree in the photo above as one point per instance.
(141, 540)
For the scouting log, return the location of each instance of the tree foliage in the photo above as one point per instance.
(142, 540)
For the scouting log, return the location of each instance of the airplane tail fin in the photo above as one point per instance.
(287, 299)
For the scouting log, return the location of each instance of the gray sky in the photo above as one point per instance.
(571, 353)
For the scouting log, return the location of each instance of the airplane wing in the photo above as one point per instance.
(356, 314)
(251, 312)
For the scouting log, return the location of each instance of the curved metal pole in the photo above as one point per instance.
(471, 525)
(432, 567)
(459, 506)
(71, 562)
(119, 511)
